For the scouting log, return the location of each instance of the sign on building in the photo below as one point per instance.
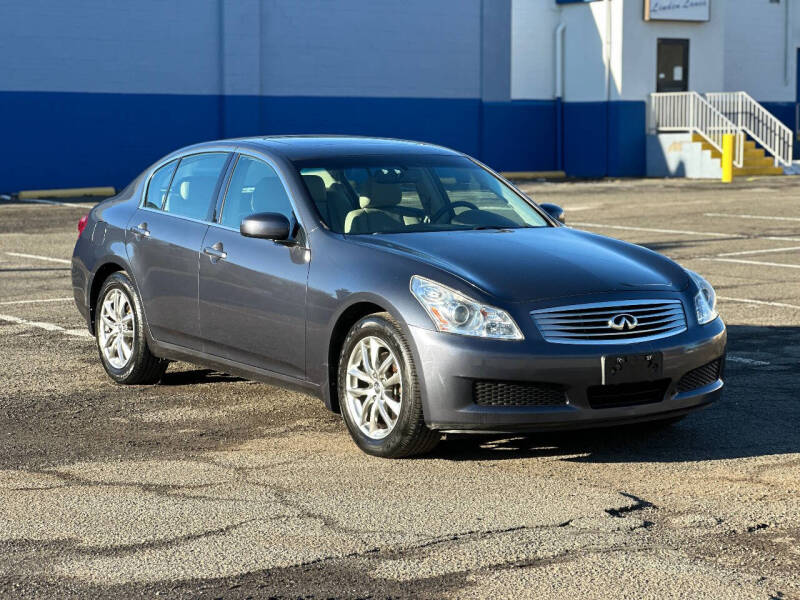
(677, 10)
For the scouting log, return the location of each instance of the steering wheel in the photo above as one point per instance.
(441, 212)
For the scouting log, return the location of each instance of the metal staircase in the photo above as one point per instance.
(757, 132)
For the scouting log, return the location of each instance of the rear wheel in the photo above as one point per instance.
(379, 391)
(119, 330)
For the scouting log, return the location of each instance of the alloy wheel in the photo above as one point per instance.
(116, 328)
(374, 389)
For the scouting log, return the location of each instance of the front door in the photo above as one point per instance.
(253, 291)
(163, 243)
(672, 65)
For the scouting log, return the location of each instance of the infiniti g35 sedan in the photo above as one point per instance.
(408, 286)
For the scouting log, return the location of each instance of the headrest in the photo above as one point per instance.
(381, 195)
(199, 185)
(316, 187)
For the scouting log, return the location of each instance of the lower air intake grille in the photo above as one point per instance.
(627, 394)
(701, 376)
(498, 393)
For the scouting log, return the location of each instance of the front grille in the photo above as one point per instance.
(701, 376)
(498, 393)
(590, 323)
(627, 394)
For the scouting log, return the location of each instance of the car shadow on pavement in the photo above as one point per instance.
(758, 415)
(197, 376)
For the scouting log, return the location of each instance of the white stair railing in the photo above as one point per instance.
(689, 111)
(760, 124)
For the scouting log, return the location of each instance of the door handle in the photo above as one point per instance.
(141, 229)
(215, 252)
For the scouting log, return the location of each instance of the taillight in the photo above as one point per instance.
(82, 224)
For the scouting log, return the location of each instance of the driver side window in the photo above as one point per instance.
(255, 188)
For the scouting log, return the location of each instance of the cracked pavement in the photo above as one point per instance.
(209, 486)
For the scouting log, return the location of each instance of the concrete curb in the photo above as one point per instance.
(67, 193)
(529, 175)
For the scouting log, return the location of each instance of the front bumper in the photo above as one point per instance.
(451, 364)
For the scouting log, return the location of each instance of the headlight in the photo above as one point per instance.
(454, 312)
(705, 302)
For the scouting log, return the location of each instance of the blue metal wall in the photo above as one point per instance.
(93, 91)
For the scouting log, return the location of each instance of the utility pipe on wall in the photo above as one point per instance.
(607, 43)
(786, 59)
(559, 94)
(607, 57)
(559, 85)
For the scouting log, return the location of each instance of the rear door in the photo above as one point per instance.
(163, 242)
(253, 291)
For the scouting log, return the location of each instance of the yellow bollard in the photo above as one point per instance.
(727, 158)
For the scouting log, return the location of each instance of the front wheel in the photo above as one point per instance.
(119, 329)
(379, 390)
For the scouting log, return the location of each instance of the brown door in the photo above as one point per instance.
(672, 66)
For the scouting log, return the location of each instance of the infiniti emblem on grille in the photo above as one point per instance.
(623, 322)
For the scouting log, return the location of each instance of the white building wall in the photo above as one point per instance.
(633, 43)
(533, 68)
(755, 49)
(367, 48)
(533, 24)
(110, 47)
(706, 50)
(280, 48)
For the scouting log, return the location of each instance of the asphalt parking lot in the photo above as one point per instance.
(210, 486)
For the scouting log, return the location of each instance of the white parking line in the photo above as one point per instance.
(753, 262)
(583, 207)
(747, 361)
(36, 301)
(678, 231)
(38, 257)
(763, 302)
(764, 217)
(767, 251)
(690, 232)
(81, 333)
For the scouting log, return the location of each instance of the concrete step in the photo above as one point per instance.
(793, 169)
(678, 155)
(764, 161)
(756, 161)
(751, 152)
(753, 171)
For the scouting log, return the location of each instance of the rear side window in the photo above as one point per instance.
(192, 191)
(255, 188)
(159, 183)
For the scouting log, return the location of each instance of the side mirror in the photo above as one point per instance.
(554, 210)
(267, 226)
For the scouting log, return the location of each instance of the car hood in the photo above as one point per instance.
(536, 263)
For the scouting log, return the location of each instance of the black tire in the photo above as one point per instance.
(142, 367)
(410, 436)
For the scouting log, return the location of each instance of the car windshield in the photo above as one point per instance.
(366, 195)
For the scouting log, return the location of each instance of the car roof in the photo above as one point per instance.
(310, 147)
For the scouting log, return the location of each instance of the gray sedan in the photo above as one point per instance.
(410, 287)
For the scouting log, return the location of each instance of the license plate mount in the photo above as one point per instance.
(627, 368)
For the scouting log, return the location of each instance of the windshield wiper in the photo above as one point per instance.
(497, 227)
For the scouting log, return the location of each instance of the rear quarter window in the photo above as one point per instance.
(159, 185)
